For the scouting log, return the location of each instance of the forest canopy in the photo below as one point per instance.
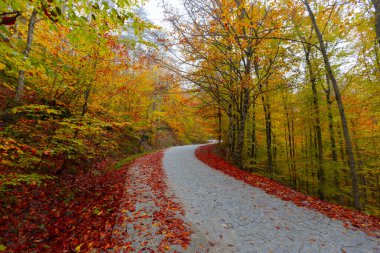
(290, 89)
(295, 89)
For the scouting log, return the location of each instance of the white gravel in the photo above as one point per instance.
(235, 217)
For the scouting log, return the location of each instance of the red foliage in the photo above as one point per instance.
(51, 15)
(5, 94)
(358, 220)
(63, 214)
(78, 212)
(8, 20)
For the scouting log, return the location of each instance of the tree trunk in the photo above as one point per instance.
(361, 176)
(230, 137)
(86, 97)
(219, 117)
(341, 144)
(219, 125)
(293, 150)
(312, 156)
(318, 130)
(238, 155)
(254, 144)
(346, 134)
(331, 122)
(305, 156)
(376, 5)
(289, 144)
(274, 149)
(268, 132)
(287, 154)
(21, 74)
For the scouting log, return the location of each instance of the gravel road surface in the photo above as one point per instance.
(235, 217)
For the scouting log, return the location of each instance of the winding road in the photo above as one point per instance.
(228, 215)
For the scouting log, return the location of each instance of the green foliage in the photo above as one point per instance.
(121, 163)
(44, 138)
(8, 181)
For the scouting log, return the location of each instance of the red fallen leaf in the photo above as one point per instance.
(166, 218)
(64, 211)
(351, 218)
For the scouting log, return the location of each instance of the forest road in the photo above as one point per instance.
(235, 217)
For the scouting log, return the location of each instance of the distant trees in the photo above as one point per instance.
(284, 76)
(73, 91)
(376, 5)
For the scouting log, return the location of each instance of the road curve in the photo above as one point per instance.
(235, 217)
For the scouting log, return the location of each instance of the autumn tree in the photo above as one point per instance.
(281, 80)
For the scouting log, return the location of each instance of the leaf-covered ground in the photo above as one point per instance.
(353, 219)
(130, 208)
(72, 213)
(151, 218)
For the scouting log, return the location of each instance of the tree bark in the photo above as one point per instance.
(86, 97)
(346, 134)
(219, 116)
(376, 5)
(289, 144)
(238, 155)
(254, 144)
(331, 122)
(268, 133)
(318, 130)
(219, 125)
(21, 74)
(230, 137)
(293, 150)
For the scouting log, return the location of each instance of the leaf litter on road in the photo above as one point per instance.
(153, 218)
(351, 219)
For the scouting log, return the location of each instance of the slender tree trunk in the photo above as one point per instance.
(346, 133)
(311, 156)
(234, 130)
(287, 155)
(238, 156)
(359, 164)
(275, 150)
(21, 74)
(376, 5)
(219, 117)
(84, 111)
(305, 156)
(288, 143)
(293, 150)
(230, 137)
(219, 125)
(268, 132)
(254, 144)
(290, 124)
(318, 130)
(334, 153)
(331, 122)
(341, 144)
(88, 92)
(292, 167)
